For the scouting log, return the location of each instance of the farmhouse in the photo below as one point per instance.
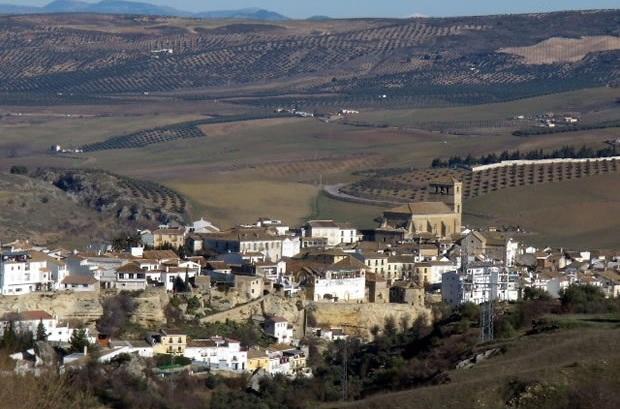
(440, 218)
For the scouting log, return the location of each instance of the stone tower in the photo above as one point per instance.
(450, 191)
(458, 203)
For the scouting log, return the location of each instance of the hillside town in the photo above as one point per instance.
(420, 255)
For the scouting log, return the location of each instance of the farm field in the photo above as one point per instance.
(574, 213)
(441, 86)
(556, 49)
(23, 136)
(231, 202)
(498, 114)
(277, 155)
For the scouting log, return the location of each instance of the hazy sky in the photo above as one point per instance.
(377, 8)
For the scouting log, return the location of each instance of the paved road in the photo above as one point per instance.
(334, 191)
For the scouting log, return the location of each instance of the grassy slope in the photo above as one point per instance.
(577, 356)
(34, 210)
(577, 213)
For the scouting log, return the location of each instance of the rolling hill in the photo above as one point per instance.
(313, 64)
(138, 8)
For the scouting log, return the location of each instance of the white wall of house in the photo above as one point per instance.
(479, 285)
(20, 275)
(345, 289)
(272, 249)
(56, 331)
(291, 246)
(332, 234)
(225, 355)
(279, 330)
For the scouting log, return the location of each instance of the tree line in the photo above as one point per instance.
(566, 152)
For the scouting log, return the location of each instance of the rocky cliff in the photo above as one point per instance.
(87, 307)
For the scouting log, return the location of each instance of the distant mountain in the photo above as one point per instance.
(139, 8)
(66, 6)
(243, 14)
(318, 18)
(132, 7)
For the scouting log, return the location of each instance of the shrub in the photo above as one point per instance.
(162, 360)
(585, 299)
(531, 293)
(19, 170)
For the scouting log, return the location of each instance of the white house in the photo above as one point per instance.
(79, 284)
(28, 321)
(218, 353)
(280, 329)
(24, 272)
(431, 272)
(204, 226)
(291, 246)
(247, 240)
(335, 233)
(480, 283)
(342, 281)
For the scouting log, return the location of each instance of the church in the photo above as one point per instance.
(440, 217)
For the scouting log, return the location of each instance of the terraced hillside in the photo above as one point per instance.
(320, 63)
(406, 185)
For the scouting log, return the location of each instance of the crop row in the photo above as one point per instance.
(412, 186)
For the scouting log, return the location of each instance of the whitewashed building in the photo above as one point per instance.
(342, 281)
(218, 353)
(335, 233)
(29, 321)
(280, 329)
(24, 272)
(480, 283)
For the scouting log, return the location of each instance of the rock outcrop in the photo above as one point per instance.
(87, 307)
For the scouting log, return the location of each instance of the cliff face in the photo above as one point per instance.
(87, 307)
(355, 319)
(358, 319)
